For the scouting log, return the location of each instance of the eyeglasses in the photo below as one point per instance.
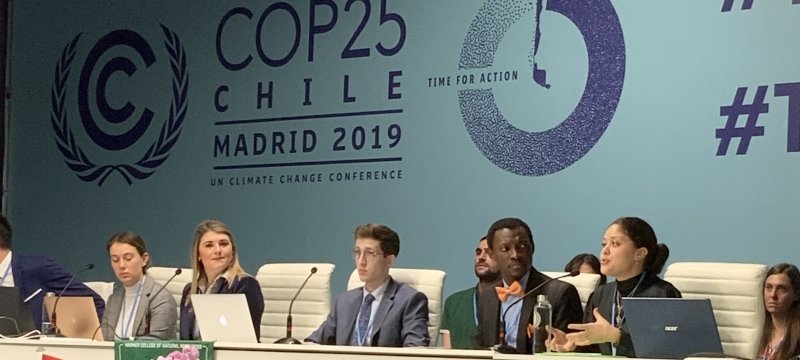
(368, 254)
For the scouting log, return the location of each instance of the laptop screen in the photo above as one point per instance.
(15, 317)
(224, 317)
(669, 328)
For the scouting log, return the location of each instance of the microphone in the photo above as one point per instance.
(55, 330)
(288, 339)
(147, 316)
(503, 348)
(178, 271)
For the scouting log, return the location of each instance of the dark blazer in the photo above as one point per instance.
(155, 317)
(42, 272)
(563, 297)
(401, 319)
(246, 285)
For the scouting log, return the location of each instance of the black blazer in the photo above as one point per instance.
(246, 285)
(563, 297)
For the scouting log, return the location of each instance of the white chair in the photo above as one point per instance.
(162, 274)
(584, 283)
(279, 283)
(736, 294)
(102, 288)
(427, 281)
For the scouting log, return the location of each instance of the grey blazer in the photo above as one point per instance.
(161, 311)
(401, 320)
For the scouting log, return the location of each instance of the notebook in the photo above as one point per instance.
(223, 317)
(15, 317)
(668, 328)
(76, 316)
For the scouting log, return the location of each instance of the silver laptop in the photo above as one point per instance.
(668, 328)
(223, 317)
(76, 316)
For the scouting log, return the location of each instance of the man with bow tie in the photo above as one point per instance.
(511, 247)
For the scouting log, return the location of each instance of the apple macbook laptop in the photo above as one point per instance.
(76, 316)
(224, 317)
(15, 316)
(669, 328)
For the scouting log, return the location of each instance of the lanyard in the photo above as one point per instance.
(133, 310)
(362, 339)
(475, 306)
(8, 268)
(614, 308)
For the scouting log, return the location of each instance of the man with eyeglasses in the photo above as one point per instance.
(383, 312)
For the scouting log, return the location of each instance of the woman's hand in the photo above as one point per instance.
(559, 342)
(600, 331)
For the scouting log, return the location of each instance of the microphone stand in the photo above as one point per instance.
(54, 330)
(289, 339)
(150, 298)
(504, 348)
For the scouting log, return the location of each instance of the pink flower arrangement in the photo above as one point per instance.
(187, 353)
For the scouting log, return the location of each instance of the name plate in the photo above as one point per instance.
(163, 350)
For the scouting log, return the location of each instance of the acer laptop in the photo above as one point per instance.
(668, 328)
(224, 317)
(76, 316)
(16, 317)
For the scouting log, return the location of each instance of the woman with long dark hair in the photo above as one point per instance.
(782, 316)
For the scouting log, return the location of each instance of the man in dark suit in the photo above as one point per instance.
(36, 275)
(511, 247)
(383, 312)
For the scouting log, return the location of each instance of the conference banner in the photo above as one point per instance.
(295, 121)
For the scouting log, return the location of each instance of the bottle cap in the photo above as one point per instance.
(541, 298)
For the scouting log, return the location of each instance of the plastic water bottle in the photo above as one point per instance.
(47, 326)
(542, 318)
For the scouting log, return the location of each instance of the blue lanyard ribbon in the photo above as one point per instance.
(133, 310)
(8, 268)
(475, 306)
(614, 308)
(362, 339)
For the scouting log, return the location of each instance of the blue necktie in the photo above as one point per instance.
(363, 319)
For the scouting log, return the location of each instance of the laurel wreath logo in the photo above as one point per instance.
(77, 160)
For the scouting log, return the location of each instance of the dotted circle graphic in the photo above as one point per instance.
(550, 151)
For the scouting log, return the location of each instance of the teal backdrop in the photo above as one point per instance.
(295, 121)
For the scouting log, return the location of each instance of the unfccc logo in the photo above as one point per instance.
(546, 152)
(112, 124)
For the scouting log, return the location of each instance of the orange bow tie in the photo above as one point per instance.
(503, 292)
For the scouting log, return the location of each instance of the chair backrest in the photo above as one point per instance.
(162, 274)
(102, 288)
(584, 283)
(427, 281)
(279, 284)
(736, 294)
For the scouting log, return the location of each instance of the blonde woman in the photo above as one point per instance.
(216, 270)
